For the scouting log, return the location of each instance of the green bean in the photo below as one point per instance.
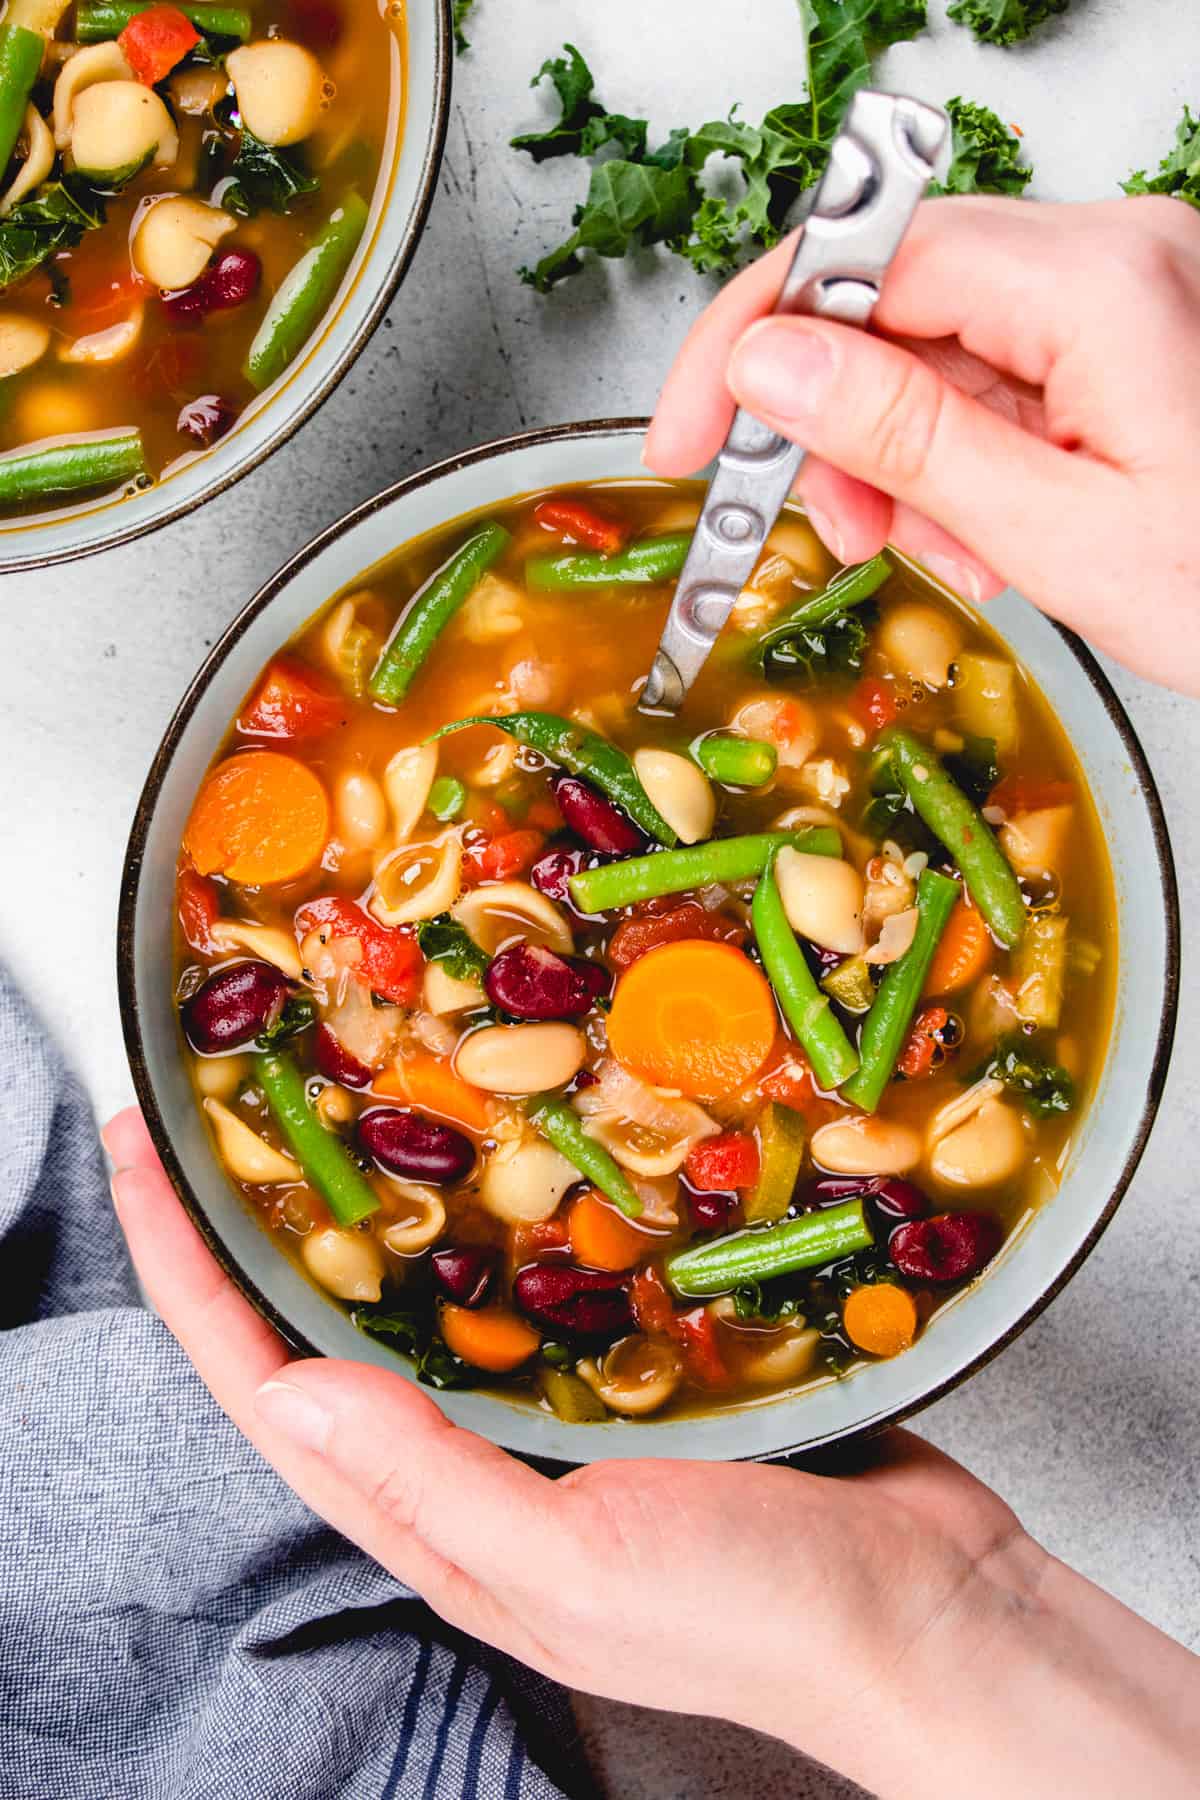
(965, 832)
(581, 752)
(762, 1252)
(76, 463)
(805, 1007)
(322, 1155)
(430, 611)
(736, 761)
(849, 587)
(782, 1138)
(305, 293)
(886, 1025)
(447, 797)
(560, 1123)
(20, 64)
(670, 871)
(96, 20)
(643, 564)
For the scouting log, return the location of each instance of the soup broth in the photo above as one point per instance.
(639, 1063)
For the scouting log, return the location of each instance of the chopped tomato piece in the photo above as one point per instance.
(720, 1164)
(873, 703)
(919, 1056)
(791, 1082)
(199, 909)
(500, 858)
(634, 937)
(651, 1303)
(155, 40)
(703, 1363)
(549, 1234)
(292, 701)
(391, 960)
(1029, 793)
(585, 524)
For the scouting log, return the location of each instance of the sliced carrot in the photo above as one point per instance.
(601, 1238)
(261, 817)
(694, 1016)
(963, 953)
(431, 1085)
(881, 1318)
(489, 1338)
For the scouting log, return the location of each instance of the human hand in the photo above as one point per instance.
(832, 1613)
(1032, 413)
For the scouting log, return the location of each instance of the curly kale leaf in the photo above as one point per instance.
(264, 178)
(53, 218)
(985, 155)
(1179, 170)
(1046, 1089)
(583, 126)
(411, 1330)
(444, 940)
(459, 19)
(833, 651)
(1004, 21)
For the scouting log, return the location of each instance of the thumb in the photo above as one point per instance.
(881, 414)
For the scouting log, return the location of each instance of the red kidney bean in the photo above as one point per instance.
(710, 1212)
(531, 982)
(831, 1190)
(316, 23)
(583, 1302)
(206, 419)
(895, 1201)
(464, 1273)
(233, 1006)
(335, 1062)
(408, 1144)
(948, 1247)
(600, 824)
(551, 873)
(230, 281)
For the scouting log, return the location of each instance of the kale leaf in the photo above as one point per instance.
(1179, 170)
(53, 218)
(770, 1301)
(459, 19)
(1045, 1088)
(264, 178)
(297, 1014)
(985, 154)
(583, 126)
(411, 1331)
(832, 651)
(444, 940)
(974, 768)
(1004, 21)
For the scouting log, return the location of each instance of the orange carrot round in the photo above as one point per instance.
(880, 1318)
(431, 1085)
(963, 952)
(260, 817)
(601, 1238)
(489, 1338)
(695, 1016)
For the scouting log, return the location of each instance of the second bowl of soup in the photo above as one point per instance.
(616, 1074)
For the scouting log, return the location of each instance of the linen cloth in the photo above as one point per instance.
(174, 1622)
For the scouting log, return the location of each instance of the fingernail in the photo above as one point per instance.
(782, 370)
(959, 577)
(828, 532)
(295, 1414)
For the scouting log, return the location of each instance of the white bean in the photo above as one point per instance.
(823, 899)
(791, 725)
(270, 943)
(681, 792)
(521, 1059)
(347, 1263)
(23, 341)
(986, 1151)
(865, 1145)
(1034, 841)
(418, 881)
(248, 1157)
(513, 912)
(281, 90)
(116, 126)
(920, 641)
(220, 1077)
(175, 238)
(98, 62)
(524, 1178)
(360, 809)
(636, 1376)
(953, 1113)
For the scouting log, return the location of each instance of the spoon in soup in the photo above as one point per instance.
(879, 166)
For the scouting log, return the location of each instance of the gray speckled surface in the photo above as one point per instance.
(1088, 1424)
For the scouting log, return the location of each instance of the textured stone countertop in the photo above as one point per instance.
(1088, 1424)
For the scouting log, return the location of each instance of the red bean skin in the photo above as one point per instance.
(230, 281)
(233, 1007)
(551, 873)
(600, 824)
(464, 1273)
(581, 1302)
(335, 1062)
(894, 1201)
(531, 982)
(417, 1148)
(206, 419)
(948, 1247)
(710, 1211)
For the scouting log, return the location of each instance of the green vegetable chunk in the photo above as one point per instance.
(444, 940)
(1179, 170)
(411, 1330)
(964, 831)
(560, 1123)
(459, 18)
(323, 1157)
(1004, 21)
(805, 1007)
(583, 126)
(781, 1143)
(264, 178)
(447, 797)
(96, 20)
(569, 1397)
(756, 1255)
(670, 871)
(1044, 1086)
(806, 619)
(850, 984)
(572, 747)
(71, 466)
(735, 761)
(643, 564)
(985, 155)
(886, 1025)
(54, 217)
(20, 65)
(431, 609)
(306, 292)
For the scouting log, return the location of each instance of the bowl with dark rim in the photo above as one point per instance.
(400, 203)
(1035, 1263)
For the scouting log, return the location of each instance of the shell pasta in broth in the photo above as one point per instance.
(630, 1063)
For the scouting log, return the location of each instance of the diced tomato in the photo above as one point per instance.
(292, 701)
(155, 40)
(634, 937)
(544, 814)
(703, 1364)
(920, 1053)
(585, 524)
(1029, 793)
(651, 1303)
(548, 1234)
(391, 959)
(791, 1082)
(718, 1165)
(501, 858)
(873, 703)
(199, 909)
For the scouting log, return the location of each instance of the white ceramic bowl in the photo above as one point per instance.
(1031, 1268)
(409, 170)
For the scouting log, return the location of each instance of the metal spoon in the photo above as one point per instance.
(879, 166)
